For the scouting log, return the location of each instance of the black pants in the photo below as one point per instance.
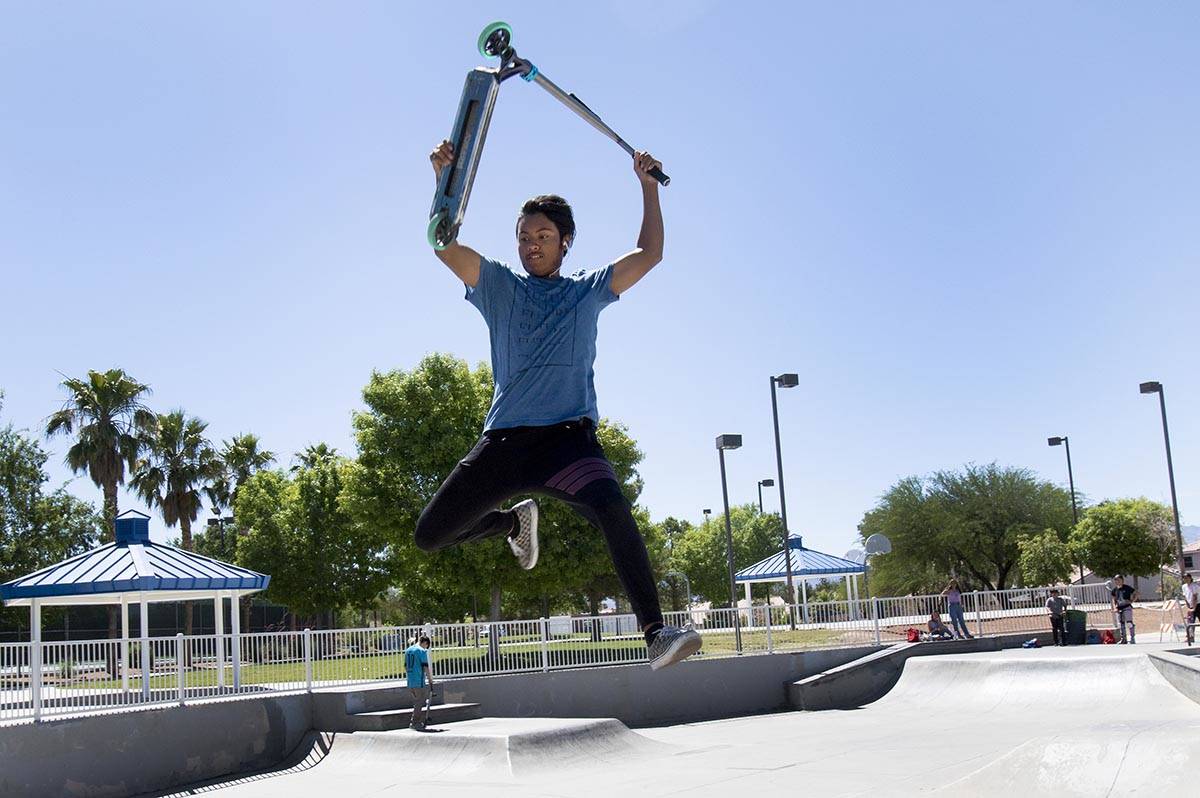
(1058, 630)
(564, 461)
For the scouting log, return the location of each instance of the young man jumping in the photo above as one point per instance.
(540, 433)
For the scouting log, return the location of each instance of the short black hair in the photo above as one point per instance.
(556, 209)
(423, 639)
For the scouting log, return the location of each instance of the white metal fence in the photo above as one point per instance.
(70, 678)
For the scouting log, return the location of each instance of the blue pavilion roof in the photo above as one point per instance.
(132, 564)
(805, 562)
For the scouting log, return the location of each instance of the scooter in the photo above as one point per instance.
(471, 126)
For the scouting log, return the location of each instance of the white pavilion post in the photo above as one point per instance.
(219, 629)
(235, 622)
(35, 657)
(804, 597)
(144, 607)
(749, 606)
(124, 645)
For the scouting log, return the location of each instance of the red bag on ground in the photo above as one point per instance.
(914, 636)
(1107, 637)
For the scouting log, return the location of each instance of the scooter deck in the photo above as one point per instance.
(470, 130)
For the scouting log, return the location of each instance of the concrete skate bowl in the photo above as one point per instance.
(1018, 722)
(1091, 725)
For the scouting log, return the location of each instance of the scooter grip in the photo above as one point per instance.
(658, 175)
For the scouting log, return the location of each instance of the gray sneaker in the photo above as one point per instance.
(672, 644)
(524, 543)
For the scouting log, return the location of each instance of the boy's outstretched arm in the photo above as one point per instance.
(463, 261)
(633, 266)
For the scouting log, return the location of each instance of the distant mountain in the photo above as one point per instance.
(1191, 533)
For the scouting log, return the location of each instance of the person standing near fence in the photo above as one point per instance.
(1056, 606)
(420, 679)
(953, 594)
(1123, 597)
(1191, 615)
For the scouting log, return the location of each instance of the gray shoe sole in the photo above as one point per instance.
(684, 647)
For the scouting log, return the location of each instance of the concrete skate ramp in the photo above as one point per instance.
(1031, 688)
(491, 747)
(491, 752)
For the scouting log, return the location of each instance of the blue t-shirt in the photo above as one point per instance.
(414, 658)
(543, 335)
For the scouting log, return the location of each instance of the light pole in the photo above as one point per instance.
(707, 512)
(784, 381)
(730, 442)
(218, 525)
(763, 483)
(1065, 441)
(1156, 387)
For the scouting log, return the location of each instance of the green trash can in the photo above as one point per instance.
(1076, 627)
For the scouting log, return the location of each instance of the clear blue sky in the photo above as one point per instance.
(967, 227)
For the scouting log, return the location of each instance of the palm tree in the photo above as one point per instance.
(106, 415)
(314, 455)
(179, 461)
(240, 458)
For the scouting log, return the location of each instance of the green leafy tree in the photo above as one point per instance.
(1127, 536)
(266, 507)
(672, 588)
(417, 426)
(961, 523)
(701, 551)
(106, 415)
(298, 530)
(179, 461)
(37, 528)
(827, 590)
(1045, 559)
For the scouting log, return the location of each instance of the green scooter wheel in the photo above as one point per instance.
(495, 39)
(438, 233)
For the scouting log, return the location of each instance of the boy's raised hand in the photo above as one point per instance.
(643, 162)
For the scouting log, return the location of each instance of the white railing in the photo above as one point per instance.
(69, 678)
